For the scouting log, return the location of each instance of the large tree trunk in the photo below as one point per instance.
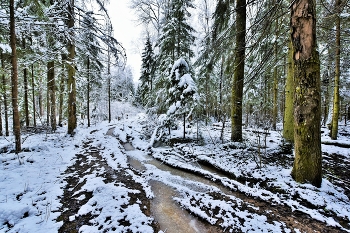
(52, 93)
(14, 80)
(336, 109)
(72, 105)
(238, 77)
(25, 83)
(307, 98)
(288, 127)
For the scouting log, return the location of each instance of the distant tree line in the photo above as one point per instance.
(57, 57)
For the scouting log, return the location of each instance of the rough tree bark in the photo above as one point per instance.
(336, 109)
(307, 98)
(14, 80)
(288, 128)
(238, 77)
(72, 105)
(51, 93)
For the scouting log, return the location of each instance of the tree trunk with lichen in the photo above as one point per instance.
(307, 98)
(336, 109)
(288, 127)
(238, 76)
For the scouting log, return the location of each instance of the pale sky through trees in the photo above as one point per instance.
(127, 33)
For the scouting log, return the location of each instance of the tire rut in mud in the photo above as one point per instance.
(71, 203)
(274, 213)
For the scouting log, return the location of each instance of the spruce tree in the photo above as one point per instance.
(147, 74)
(14, 80)
(175, 42)
(182, 94)
(90, 46)
(238, 76)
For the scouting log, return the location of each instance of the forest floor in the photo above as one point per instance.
(108, 179)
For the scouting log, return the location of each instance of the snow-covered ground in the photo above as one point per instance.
(32, 183)
(262, 172)
(246, 197)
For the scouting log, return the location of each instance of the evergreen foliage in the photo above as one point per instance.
(182, 93)
(176, 40)
(145, 87)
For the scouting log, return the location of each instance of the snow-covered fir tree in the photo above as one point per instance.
(177, 35)
(147, 74)
(182, 93)
(175, 41)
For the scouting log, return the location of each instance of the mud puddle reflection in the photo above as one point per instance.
(170, 216)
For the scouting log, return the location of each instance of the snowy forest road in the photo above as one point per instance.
(77, 194)
(234, 211)
(108, 178)
(230, 210)
(243, 209)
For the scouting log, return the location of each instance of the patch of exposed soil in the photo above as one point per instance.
(336, 169)
(83, 166)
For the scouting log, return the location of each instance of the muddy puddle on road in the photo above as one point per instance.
(170, 216)
(173, 219)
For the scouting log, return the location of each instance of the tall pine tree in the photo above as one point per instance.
(147, 74)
